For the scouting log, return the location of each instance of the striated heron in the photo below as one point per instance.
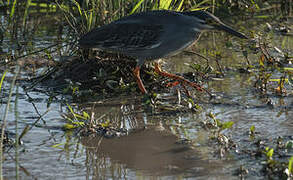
(154, 35)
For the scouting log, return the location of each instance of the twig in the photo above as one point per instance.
(195, 53)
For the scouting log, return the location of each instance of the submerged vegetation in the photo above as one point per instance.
(47, 60)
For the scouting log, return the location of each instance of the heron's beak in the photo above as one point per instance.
(226, 28)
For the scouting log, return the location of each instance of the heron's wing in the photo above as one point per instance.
(130, 36)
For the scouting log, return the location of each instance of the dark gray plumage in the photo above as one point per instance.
(153, 35)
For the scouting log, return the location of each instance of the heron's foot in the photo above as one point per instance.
(180, 79)
(172, 84)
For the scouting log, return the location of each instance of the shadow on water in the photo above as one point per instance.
(153, 151)
(153, 147)
(164, 143)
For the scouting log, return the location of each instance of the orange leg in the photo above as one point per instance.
(176, 77)
(136, 73)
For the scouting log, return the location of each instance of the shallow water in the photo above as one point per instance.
(159, 146)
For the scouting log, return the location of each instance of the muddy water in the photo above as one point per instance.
(159, 146)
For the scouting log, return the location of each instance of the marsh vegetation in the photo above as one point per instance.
(66, 112)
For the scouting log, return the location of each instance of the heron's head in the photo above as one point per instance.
(207, 21)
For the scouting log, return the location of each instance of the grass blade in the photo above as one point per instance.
(2, 79)
(136, 6)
